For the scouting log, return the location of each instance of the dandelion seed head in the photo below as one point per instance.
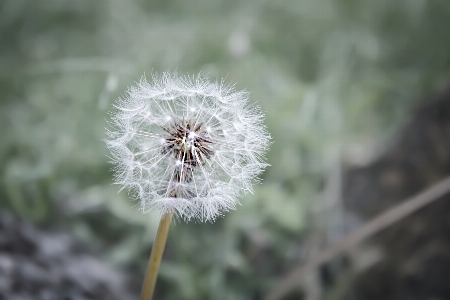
(187, 145)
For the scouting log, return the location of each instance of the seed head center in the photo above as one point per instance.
(188, 142)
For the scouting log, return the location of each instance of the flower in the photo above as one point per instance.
(187, 145)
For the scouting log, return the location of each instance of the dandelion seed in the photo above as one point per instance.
(187, 145)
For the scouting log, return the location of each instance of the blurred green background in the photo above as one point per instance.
(335, 78)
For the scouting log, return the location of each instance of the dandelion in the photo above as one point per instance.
(186, 146)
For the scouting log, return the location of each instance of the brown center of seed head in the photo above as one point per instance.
(189, 145)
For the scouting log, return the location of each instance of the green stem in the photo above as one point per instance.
(155, 257)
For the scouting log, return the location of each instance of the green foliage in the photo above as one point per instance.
(333, 77)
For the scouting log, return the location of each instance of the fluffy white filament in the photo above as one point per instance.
(208, 185)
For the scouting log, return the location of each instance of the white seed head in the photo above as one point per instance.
(187, 145)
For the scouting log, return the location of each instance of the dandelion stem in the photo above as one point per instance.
(148, 286)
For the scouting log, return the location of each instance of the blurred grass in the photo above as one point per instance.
(334, 78)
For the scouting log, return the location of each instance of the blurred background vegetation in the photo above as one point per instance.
(335, 78)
